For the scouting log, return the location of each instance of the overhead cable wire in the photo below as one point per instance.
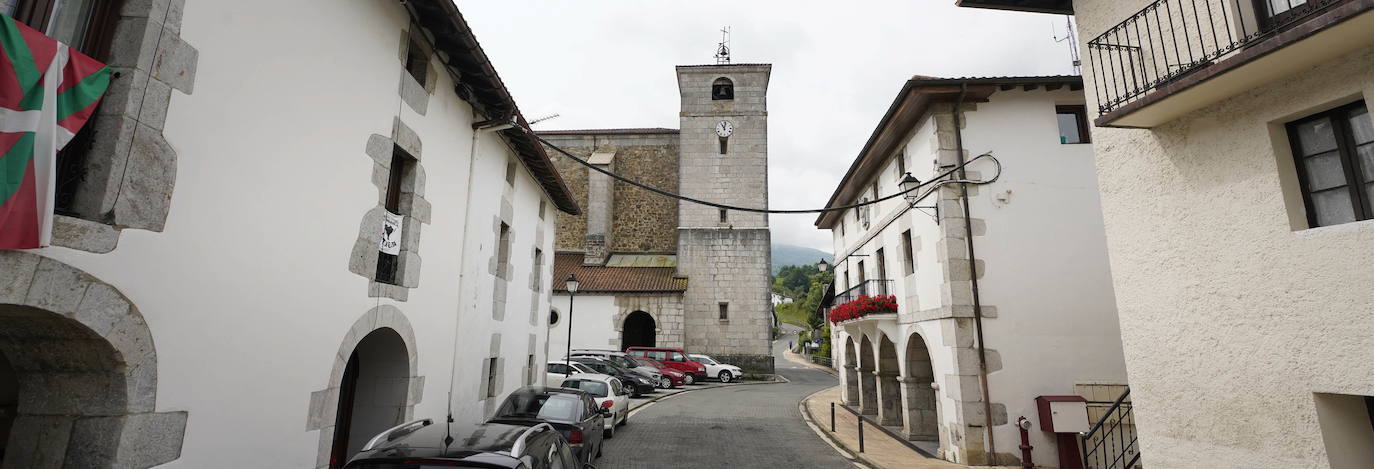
(936, 181)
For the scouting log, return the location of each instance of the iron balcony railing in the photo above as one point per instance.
(1111, 442)
(865, 288)
(1171, 38)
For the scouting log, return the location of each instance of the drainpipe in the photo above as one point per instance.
(973, 276)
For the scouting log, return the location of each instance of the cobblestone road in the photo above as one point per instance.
(755, 426)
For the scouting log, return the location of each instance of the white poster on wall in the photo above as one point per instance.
(391, 234)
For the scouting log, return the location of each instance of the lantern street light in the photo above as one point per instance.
(823, 266)
(571, 285)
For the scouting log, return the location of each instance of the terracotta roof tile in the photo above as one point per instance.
(598, 279)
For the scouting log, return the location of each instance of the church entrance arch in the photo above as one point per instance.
(639, 330)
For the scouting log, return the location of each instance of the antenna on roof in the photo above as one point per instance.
(723, 47)
(1071, 36)
(542, 119)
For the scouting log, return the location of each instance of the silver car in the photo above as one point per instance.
(625, 361)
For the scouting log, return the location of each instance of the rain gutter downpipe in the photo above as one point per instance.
(973, 276)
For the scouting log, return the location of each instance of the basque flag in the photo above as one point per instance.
(47, 92)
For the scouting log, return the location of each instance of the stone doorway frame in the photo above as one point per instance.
(145, 438)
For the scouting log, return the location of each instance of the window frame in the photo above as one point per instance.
(1350, 164)
(908, 254)
(724, 310)
(1080, 113)
(417, 61)
(402, 165)
(492, 364)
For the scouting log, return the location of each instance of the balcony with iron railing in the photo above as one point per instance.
(866, 288)
(1177, 56)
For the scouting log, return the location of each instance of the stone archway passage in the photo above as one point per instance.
(918, 395)
(851, 373)
(639, 330)
(889, 394)
(372, 393)
(868, 378)
(81, 371)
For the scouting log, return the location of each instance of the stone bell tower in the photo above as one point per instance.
(725, 254)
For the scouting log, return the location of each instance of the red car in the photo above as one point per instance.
(674, 358)
(674, 377)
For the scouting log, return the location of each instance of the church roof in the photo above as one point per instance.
(599, 279)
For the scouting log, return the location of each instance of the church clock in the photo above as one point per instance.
(723, 130)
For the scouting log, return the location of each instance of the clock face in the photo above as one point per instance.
(725, 128)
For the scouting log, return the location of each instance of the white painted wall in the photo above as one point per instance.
(247, 291)
(593, 323)
(1046, 270)
(1233, 315)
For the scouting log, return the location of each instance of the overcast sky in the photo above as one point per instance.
(836, 68)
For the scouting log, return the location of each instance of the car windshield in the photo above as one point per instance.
(624, 361)
(704, 359)
(652, 363)
(595, 388)
(528, 405)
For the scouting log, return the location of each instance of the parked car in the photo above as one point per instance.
(556, 371)
(624, 360)
(639, 385)
(570, 411)
(421, 443)
(675, 358)
(609, 394)
(671, 378)
(724, 372)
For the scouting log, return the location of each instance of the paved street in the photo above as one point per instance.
(739, 426)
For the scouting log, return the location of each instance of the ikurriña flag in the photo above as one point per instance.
(47, 93)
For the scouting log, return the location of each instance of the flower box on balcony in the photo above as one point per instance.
(863, 306)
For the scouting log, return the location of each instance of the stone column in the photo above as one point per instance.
(921, 421)
(868, 392)
(851, 385)
(600, 203)
(889, 399)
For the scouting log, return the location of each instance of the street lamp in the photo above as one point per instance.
(571, 285)
(823, 266)
(909, 184)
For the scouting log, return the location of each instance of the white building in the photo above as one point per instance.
(1236, 188)
(1038, 316)
(216, 297)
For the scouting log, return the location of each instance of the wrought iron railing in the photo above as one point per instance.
(865, 288)
(1111, 442)
(1171, 38)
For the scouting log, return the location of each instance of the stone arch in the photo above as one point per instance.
(639, 329)
(851, 372)
(889, 394)
(868, 377)
(919, 398)
(324, 404)
(83, 364)
(722, 88)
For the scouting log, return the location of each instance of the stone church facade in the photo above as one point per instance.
(657, 271)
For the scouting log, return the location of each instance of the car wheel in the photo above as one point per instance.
(726, 377)
(625, 420)
(598, 454)
(608, 433)
(689, 380)
(664, 382)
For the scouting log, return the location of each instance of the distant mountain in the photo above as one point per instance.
(787, 254)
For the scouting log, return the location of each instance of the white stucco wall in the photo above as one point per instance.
(247, 292)
(593, 324)
(1233, 314)
(1046, 288)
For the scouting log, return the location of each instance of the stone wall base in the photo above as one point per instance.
(750, 363)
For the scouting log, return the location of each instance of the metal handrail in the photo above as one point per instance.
(396, 432)
(1168, 39)
(869, 287)
(1121, 453)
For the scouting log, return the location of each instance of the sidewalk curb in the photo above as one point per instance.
(855, 457)
(649, 403)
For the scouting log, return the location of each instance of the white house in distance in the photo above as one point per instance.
(1238, 188)
(216, 295)
(1039, 315)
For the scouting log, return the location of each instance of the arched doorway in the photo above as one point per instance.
(922, 419)
(889, 394)
(868, 378)
(78, 373)
(851, 373)
(372, 393)
(639, 330)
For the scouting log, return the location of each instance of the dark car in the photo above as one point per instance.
(572, 412)
(422, 444)
(638, 384)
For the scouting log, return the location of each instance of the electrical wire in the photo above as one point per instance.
(933, 181)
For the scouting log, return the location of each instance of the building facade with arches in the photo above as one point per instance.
(658, 271)
(979, 333)
(248, 285)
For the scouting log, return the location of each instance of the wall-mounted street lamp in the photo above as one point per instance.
(571, 284)
(910, 186)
